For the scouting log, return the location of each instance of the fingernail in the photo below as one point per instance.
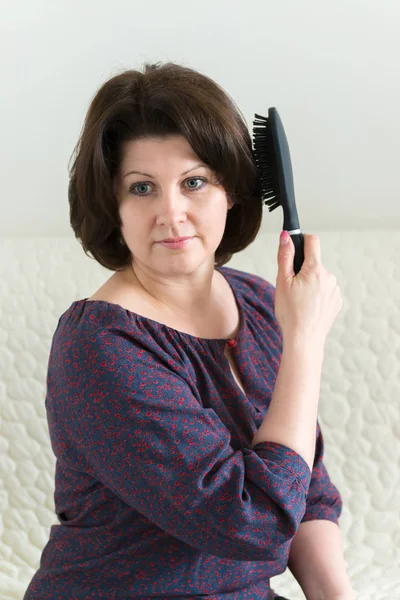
(284, 238)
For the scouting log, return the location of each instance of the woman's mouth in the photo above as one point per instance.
(177, 243)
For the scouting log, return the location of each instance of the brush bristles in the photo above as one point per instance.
(264, 158)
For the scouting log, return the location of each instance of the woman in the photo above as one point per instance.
(186, 468)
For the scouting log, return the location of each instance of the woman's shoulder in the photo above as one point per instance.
(249, 284)
(104, 317)
(257, 298)
(110, 306)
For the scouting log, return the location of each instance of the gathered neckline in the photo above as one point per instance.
(219, 341)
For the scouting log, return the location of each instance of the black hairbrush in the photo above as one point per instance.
(272, 156)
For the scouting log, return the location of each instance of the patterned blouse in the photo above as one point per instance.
(158, 493)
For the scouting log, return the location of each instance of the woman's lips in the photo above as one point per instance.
(177, 244)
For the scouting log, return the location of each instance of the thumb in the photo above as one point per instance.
(285, 256)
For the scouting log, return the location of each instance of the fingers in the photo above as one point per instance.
(312, 249)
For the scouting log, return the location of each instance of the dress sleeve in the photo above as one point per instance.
(323, 499)
(122, 414)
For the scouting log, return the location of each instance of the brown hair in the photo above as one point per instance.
(164, 99)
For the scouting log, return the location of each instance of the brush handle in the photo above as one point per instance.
(298, 241)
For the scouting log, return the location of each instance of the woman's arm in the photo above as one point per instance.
(292, 413)
(316, 560)
(316, 553)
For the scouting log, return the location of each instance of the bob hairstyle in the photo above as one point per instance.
(164, 100)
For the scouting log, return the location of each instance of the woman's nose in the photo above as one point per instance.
(171, 208)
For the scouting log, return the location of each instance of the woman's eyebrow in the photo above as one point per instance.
(152, 176)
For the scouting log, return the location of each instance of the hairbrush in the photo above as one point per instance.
(272, 157)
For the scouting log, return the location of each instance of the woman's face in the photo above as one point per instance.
(164, 193)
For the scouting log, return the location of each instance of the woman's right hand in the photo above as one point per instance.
(306, 304)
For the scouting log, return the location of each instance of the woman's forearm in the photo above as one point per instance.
(316, 560)
(292, 414)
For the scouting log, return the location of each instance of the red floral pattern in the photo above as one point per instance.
(157, 492)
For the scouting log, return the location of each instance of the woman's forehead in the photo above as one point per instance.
(158, 153)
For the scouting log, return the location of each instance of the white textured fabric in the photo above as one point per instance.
(359, 405)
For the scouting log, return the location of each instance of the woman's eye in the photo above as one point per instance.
(198, 187)
(137, 186)
(138, 190)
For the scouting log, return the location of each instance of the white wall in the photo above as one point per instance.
(331, 69)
